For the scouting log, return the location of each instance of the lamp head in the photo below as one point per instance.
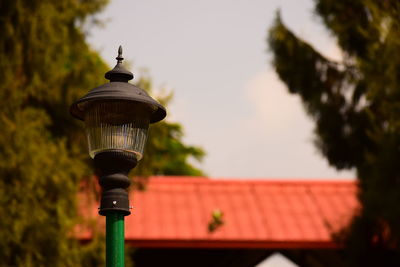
(117, 114)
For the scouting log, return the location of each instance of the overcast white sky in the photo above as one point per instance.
(213, 55)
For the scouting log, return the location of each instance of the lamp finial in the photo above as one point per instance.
(119, 73)
(119, 57)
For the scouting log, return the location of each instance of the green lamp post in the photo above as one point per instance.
(117, 117)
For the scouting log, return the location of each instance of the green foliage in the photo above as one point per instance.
(165, 152)
(216, 220)
(45, 64)
(355, 104)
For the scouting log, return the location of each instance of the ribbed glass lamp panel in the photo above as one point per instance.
(116, 125)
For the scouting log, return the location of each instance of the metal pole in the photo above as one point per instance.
(113, 168)
(115, 239)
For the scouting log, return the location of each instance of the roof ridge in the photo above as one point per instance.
(292, 181)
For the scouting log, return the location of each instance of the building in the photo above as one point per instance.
(186, 221)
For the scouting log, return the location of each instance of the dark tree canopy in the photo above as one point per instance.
(46, 64)
(355, 104)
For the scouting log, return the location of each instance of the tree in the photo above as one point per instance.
(46, 64)
(165, 152)
(355, 104)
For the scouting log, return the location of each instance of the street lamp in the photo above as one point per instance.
(117, 117)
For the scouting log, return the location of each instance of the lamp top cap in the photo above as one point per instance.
(118, 89)
(119, 73)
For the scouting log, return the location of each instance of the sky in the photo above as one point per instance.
(213, 56)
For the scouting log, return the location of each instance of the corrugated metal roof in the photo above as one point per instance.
(176, 212)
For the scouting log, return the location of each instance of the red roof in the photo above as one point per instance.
(176, 211)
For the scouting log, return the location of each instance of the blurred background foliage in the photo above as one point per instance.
(355, 104)
(46, 64)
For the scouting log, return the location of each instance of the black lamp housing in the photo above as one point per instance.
(118, 89)
(116, 115)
